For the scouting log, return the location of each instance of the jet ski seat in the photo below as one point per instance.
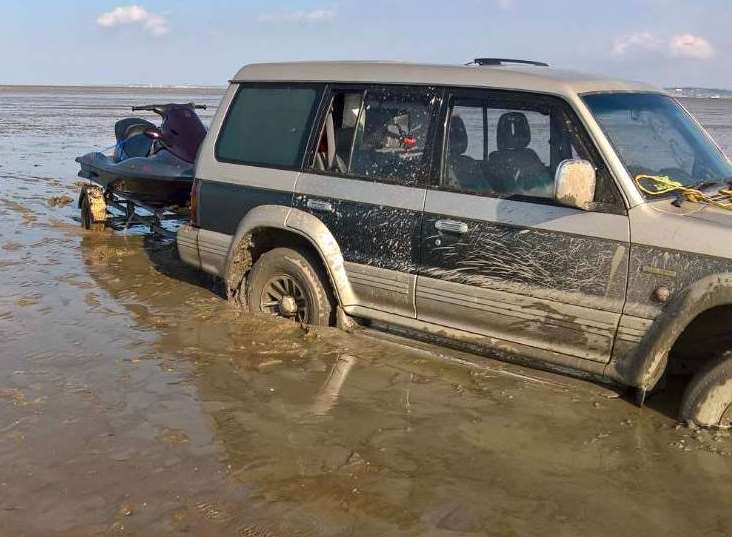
(131, 139)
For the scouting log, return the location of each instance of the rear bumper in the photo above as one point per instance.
(187, 241)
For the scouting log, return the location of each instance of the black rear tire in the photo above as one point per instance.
(707, 401)
(289, 283)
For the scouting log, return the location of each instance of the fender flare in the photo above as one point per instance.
(651, 356)
(300, 223)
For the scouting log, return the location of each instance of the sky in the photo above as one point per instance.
(664, 42)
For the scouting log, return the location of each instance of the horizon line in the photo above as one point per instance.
(143, 85)
(140, 85)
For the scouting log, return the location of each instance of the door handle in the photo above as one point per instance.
(451, 226)
(320, 205)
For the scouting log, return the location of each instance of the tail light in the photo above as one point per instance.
(195, 191)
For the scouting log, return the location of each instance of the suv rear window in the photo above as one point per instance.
(378, 133)
(268, 125)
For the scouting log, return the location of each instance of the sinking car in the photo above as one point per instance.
(562, 220)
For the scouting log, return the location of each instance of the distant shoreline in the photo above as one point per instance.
(700, 93)
(6, 87)
(683, 92)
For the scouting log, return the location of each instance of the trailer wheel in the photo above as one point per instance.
(288, 283)
(93, 209)
(708, 398)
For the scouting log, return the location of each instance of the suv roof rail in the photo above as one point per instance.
(503, 61)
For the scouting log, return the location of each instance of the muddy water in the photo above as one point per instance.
(135, 401)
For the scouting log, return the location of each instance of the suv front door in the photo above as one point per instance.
(366, 183)
(499, 257)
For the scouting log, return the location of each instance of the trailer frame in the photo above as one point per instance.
(95, 204)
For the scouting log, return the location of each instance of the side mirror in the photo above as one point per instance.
(575, 183)
(153, 133)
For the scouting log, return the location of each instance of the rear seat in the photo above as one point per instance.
(463, 172)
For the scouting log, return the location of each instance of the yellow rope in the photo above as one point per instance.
(657, 185)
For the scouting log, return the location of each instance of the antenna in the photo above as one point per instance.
(503, 61)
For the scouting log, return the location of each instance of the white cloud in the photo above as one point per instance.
(678, 46)
(299, 17)
(505, 4)
(640, 40)
(119, 16)
(691, 46)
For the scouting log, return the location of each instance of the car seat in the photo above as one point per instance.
(514, 167)
(463, 172)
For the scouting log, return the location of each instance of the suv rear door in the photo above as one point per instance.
(366, 182)
(499, 257)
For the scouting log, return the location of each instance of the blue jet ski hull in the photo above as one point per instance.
(158, 181)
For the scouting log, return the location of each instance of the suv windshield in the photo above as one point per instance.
(653, 135)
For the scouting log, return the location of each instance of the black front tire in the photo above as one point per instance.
(303, 278)
(707, 401)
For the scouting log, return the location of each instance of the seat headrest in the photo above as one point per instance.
(457, 142)
(513, 131)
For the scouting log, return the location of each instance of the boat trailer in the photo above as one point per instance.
(100, 208)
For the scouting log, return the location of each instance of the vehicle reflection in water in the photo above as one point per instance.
(337, 434)
(331, 389)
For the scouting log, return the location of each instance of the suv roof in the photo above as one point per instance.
(518, 77)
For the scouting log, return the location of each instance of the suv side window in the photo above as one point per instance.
(333, 153)
(510, 145)
(268, 125)
(381, 134)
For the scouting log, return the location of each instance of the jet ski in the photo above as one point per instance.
(150, 165)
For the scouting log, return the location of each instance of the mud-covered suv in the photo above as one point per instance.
(563, 220)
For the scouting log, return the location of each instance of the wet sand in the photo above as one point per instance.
(134, 400)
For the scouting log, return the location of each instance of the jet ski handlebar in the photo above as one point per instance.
(162, 109)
